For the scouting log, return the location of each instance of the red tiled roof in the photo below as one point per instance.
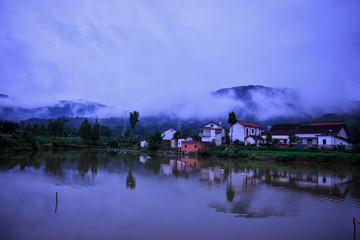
(249, 124)
(326, 123)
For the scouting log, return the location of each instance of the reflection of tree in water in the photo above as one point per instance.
(86, 163)
(53, 165)
(153, 165)
(27, 161)
(83, 166)
(244, 208)
(230, 193)
(175, 171)
(130, 179)
(94, 166)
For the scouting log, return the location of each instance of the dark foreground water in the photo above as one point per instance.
(103, 196)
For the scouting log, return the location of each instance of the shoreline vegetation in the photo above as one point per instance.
(219, 153)
(15, 138)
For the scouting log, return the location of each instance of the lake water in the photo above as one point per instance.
(105, 196)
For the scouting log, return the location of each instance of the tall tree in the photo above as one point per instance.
(8, 126)
(95, 133)
(292, 137)
(133, 119)
(154, 140)
(356, 133)
(269, 138)
(85, 131)
(232, 118)
(231, 121)
(186, 132)
(56, 127)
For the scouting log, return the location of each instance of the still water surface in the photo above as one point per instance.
(104, 196)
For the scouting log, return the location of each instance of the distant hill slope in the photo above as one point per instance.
(264, 105)
(80, 108)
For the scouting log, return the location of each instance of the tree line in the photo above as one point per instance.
(17, 136)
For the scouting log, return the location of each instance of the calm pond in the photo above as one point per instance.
(105, 196)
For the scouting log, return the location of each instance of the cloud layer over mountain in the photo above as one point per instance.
(152, 55)
(248, 102)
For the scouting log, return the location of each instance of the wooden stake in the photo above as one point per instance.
(354, 222)
(56, 202)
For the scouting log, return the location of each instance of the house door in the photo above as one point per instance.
(309, 142)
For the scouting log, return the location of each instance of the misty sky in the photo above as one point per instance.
(137, 54)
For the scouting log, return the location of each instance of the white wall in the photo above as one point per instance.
(250, 140)
(343, 133)
(143, 144)
(238, 132)
(168, 134)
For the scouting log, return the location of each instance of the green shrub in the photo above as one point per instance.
(356, 148)
(114, 143)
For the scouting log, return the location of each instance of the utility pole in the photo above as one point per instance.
(125, 122)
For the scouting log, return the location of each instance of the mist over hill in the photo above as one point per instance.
(264, 105)
(69, 109)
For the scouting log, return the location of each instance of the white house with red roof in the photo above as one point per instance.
(168, 134)
(212, 132)
(241, 130)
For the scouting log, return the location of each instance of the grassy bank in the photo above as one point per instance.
(281, 155)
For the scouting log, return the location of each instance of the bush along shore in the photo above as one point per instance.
(14, 137)
(282, 154)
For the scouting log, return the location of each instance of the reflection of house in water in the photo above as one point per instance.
(244, 196)
(211, 175)
(324, 184)
(188, 163)
(182, 165)
(237, 180)
(143, 158)
(241, 180)
(166, 169)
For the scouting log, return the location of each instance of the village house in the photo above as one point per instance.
(192, 146)
(143, 143)
(324, 135)
(317, 134)
(168, 134)
(240, 130)
(177, 142)
(281, 132)
(213, 133)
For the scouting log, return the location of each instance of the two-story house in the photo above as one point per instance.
(213, 133)
(241, 130)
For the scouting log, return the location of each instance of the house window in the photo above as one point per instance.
(324, 141)
(252, 131)
(195, 146)
(185, 146)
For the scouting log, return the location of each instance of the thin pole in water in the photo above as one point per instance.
(354, 222)
(56, 202)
